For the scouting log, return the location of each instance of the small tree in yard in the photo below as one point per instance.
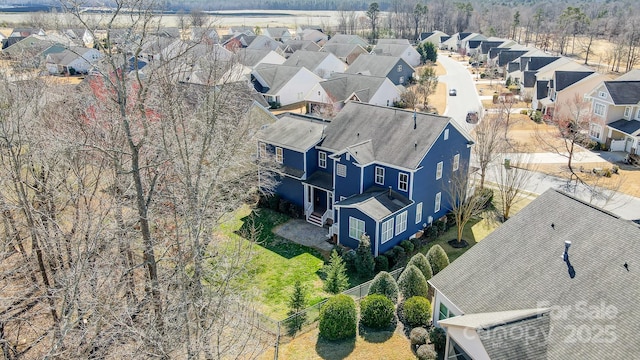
(297, 303)
(510, 183)
(384, 284)
(376, 311)
(416, 311)
(422, 263)
(364, 259)
(336, 272)
(412, 283)
(428, 52)
(464, 204)
(338, 318)
(437, 258)
(489, 143)
(427, 84)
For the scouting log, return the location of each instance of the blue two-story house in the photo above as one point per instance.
(372, 169)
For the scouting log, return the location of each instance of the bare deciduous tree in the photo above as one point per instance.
(510, 181)
(465, 201)
(489, 143)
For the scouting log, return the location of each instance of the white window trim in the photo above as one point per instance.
(627, 111)
(263, 150)
(438, 202)
(279, 155)
(381, 182)
(341, 170)
(322, 159)
(599, 109)
(456, 162)
(399, 68)
(595, 133)
(602, 94)
(419, 213)
(354, 224)
(439, 170)
(446, 134)
(387, 231)
(401, 222)
(400, 182)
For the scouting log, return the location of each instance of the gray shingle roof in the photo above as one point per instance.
(343, 50)
(390, 131)
(537, 62)
(529, 79)
(505, 57)
(275, 76)
(485, 46)
(542, 89)
(341, 86)
(376, 202)
(347, 39)
(250, 57)
(520, 266)
(624, 92)
(308, 59)
(391, 49)
(321, 179)
(293, 131)
(631, 127)
(564, 79)
(375, 65)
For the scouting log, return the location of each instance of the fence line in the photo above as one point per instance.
(307, 319)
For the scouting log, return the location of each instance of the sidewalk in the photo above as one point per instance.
(578, 157)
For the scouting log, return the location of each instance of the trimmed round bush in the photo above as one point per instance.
(416, 311)
(382, 263)
(425, 352)
(438, 338)
(384, 284)
(407, 246)
(412, 283)
(420, 261)
(438, 258)
(376, 311)
(418, 336)
(338, 318)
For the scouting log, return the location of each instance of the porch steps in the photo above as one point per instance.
(315, 219)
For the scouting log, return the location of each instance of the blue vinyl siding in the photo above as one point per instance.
(293, 159)
(369, 227)
(290, 189)
(349, 185)
(394, 75)
(390, 178)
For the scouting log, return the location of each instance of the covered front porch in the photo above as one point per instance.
(623, 135)
(318, 199)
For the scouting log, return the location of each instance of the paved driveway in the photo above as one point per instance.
(301, 232)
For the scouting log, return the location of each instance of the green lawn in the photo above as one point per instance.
(277, 263)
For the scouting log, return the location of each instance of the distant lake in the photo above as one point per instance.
(262, 18)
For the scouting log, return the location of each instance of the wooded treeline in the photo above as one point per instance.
(111, 192)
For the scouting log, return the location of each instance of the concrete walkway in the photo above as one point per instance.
(301, 232)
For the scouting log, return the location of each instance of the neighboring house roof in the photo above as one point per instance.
(520, 266)
(390, 132)
(473, 44)
(262, 42)
(343, 50)
(341, 86)
(631, 127)
(564, 79)
(274, 77)
(529, 79)
(508, 56)
(294, 45)
(538, 62)
(67, 56)
(275, 32)
(251, 57)
(241, 29)
(485, 46)
(624, 92)
(632, 75)
(376, 202)
(294, 131)
(348, 39)
(392, 49)
(375, 65)
(312, 35)
(308, 59)
(542, 89)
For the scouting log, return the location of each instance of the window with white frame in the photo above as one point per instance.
(387, 230)
(379, 175)
(263, 150)
(443, 312)
(322, 159)
(403, 182)
(419, 213)
(439, 170)
(446, 134)
(595, 130)
(627, 111)
(598, 109)
(400, 68)
(401, 222)
(401, 81)
(602, 94)
(456, 162)
(436, 206)
(279, 157)
(356, 228)
(638, 114)
(341, 170)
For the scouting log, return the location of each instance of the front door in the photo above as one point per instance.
(319, 200)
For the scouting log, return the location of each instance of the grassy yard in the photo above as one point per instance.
(277, 263)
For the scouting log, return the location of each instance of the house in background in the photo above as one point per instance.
(567, 90)
(434, 37)
(403, 50)
(348, 39)
(252, 57)
(321, 63)
(345, 52)
(18, 34)
(318, 37)
(329, 97)
(208, 35)
(392, 67)
(280, 34)
(76, 60)
(283, 85)
(616, 105)
(372, 170)
(292, 46)
(528, 299)
(80, 37)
